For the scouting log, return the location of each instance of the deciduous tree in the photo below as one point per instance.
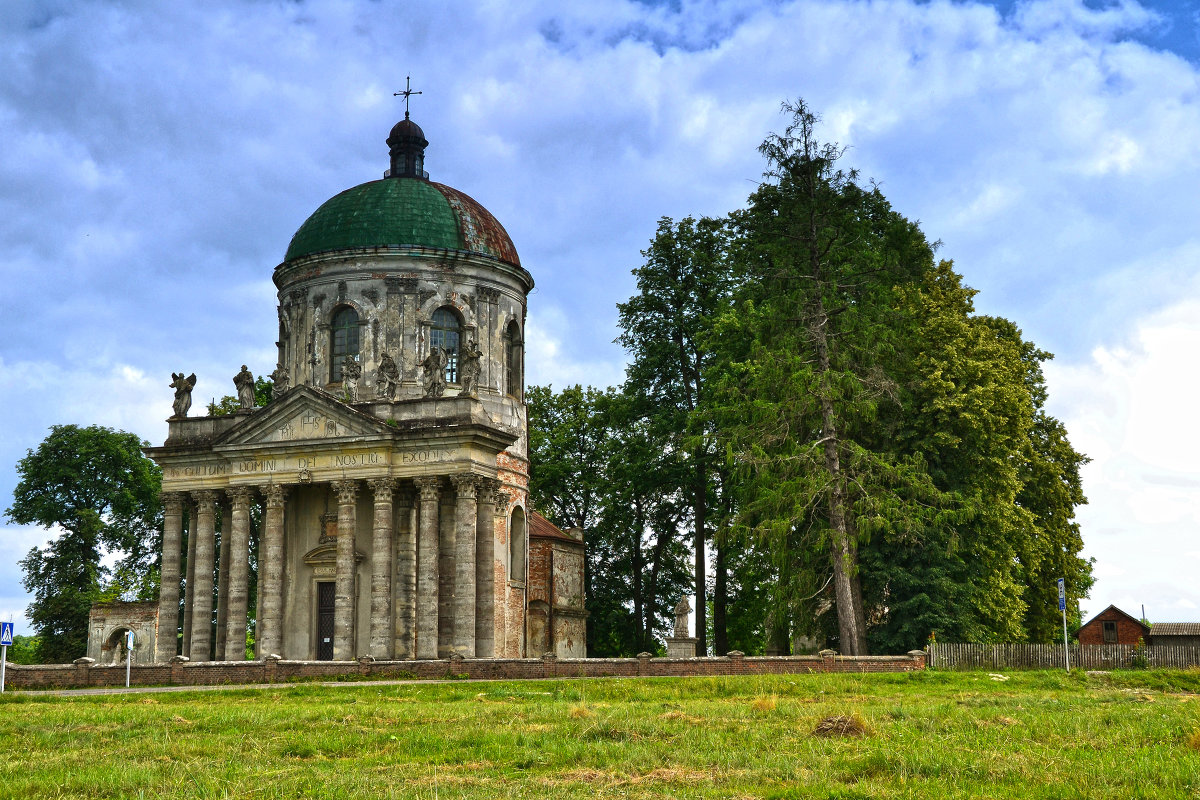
(94, 489)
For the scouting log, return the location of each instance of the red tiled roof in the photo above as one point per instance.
(542, 528)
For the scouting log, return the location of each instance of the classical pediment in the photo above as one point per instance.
(304, 414)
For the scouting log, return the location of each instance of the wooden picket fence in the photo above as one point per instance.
(953, 656)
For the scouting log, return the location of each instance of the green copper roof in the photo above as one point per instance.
(402, 212)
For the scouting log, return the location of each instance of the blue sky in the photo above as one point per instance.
(158, 157)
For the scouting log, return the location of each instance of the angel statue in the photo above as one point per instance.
(183, 393)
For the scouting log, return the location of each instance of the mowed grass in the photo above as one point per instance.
(934, 734)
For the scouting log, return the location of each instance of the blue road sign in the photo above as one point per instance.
(1062, 595)
(6, 633)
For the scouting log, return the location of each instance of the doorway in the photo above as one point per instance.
(325, 595)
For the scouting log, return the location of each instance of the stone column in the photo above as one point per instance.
(237, 586)
(381, 569)
(269, 635)
(485, 569)
(223, 581)
(343, 598)
(465, 524)
(200, 647)
(167, 640)
(189, 585)
(406, 576)
(427, 568)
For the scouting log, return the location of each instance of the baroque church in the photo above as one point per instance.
(391, 465)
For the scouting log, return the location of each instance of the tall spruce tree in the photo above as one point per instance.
(821, 258)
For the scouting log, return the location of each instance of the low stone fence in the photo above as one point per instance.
(181, 672)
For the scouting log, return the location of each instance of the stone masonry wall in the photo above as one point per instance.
(180, 672)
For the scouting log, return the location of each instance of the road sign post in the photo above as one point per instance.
(128, 655)
(1062, 606)
(6, 638)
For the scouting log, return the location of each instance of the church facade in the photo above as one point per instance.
(390, 469)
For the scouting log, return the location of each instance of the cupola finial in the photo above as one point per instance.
(407, 93)
(407, 142)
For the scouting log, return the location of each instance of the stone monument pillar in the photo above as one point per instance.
(681, 645)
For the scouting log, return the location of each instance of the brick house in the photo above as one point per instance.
(1113, 626)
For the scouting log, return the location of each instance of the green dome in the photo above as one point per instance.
(402, 212)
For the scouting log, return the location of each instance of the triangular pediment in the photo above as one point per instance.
(304, 414)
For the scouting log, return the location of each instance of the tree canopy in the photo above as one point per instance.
(810, 389)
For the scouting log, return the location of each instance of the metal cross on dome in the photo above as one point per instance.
(407, 93)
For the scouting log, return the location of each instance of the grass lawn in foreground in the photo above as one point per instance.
(931, 734)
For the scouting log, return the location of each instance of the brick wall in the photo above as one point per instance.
(183, 673)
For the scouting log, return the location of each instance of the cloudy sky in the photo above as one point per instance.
(155, 159)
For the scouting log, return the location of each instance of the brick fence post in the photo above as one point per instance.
(271, 669)
(177, 663)
(83, 668)
(918, 657)
(549, 665)
(827, 660)
(364, 664)
(644, 663)
(455, 664)
(737, 662)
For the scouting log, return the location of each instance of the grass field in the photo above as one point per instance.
(923, 735)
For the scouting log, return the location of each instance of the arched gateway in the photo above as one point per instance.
(381, 478)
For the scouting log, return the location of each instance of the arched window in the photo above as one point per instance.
(345, 339)
(513, 356)
(444, 334)
(516, 545)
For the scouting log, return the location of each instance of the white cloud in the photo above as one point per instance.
(1132, 409)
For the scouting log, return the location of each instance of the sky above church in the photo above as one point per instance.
(155, 159)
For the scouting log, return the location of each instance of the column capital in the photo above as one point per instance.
(347, 491)
(172, 502)
(500, 497)
(205, 497)
(382, 487)
(465, 484)
(239, 495)
(275, 494)
(429, 487)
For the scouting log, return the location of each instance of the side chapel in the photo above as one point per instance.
(391, 463)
